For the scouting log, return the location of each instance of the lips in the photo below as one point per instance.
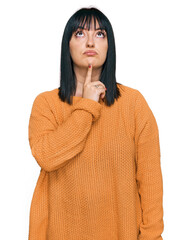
(90, 52)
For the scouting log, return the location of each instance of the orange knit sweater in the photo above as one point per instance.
(100, 175)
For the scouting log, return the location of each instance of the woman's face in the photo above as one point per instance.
(83, 40)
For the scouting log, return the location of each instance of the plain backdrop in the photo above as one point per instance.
(152, 55)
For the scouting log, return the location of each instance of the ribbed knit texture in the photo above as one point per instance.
(100, 175)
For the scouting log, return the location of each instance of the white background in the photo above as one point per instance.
(152, 48)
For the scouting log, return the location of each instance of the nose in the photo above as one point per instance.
(90, 41)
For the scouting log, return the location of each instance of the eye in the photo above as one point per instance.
(78, 32)
(101, 33)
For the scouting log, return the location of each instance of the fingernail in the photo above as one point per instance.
(89, 65)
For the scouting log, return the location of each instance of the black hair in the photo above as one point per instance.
(67, 87)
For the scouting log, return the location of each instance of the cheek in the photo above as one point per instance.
(104, 50)
(75, 48)
(73, 51)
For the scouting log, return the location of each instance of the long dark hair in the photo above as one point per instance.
(67, 87)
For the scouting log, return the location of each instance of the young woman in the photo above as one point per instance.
(97, 144)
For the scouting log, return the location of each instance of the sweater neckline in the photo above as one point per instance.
(77, 98)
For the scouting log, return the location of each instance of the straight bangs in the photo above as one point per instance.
(85, 19)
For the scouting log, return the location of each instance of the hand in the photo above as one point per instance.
(89, 89)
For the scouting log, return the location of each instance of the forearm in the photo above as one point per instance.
(52, 146)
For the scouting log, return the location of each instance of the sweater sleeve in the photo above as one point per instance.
(148, 176)
(53, 145)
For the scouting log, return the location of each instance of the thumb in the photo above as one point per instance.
(89, 74)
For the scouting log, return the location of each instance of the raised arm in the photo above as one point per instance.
(149, 175)
(54, 145)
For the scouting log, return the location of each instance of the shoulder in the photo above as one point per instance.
(47, 95)
(45, 100)
(128, 94)
(126, 90)
(135, 99)
(132, 93)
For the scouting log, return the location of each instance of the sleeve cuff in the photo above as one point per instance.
(90, 106)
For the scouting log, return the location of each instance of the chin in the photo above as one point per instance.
(94, 64)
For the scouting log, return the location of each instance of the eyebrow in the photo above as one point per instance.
(96, 28)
